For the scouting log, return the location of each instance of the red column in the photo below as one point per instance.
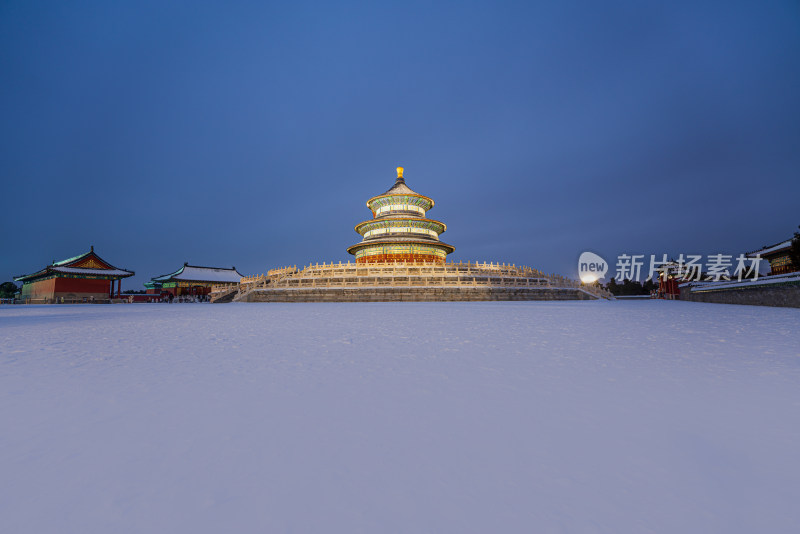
(111, 289)
(119, 288)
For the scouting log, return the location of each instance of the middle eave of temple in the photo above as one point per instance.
(411, 219)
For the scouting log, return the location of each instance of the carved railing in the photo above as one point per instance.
(223, 288)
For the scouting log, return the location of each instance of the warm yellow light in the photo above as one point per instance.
(588, 278)
(399, 172)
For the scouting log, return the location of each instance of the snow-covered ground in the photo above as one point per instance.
(580, 417)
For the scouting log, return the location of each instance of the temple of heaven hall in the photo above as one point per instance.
(399, 230)
(400, 258)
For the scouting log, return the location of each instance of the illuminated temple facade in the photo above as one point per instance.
(399, 229)
(401, 259)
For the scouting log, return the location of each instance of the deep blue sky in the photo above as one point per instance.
(252, 133)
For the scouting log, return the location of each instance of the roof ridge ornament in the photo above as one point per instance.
(400, 178)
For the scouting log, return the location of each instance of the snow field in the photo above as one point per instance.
(605, 417)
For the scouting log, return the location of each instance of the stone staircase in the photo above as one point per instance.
(226, 294)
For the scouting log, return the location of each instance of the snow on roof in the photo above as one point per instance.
(165, 277)
(26, 277)
(772, 248)
(766, 280)
(101, 272)
(202, 274)
(208, 274)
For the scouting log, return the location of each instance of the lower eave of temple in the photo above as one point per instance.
(395, 250)
(400, 241)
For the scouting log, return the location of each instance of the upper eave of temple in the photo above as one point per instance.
(88, 264)
(400, 189)
(399, 194)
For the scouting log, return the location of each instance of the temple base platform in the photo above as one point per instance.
(413, 294)
(407, 282)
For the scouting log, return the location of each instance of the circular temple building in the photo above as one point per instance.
(399, 230)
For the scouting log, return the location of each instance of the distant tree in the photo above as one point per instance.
(612, 286)
(8, 290)
(632, 287)
(649, 285)
(627, 288)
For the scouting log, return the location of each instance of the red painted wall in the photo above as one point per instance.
(78, 285)
(41, 289)
(66, 287)
(195, 290)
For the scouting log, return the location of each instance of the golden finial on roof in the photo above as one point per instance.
(399, 172)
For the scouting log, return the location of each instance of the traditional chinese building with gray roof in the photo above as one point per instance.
(778, 256)
(193, 280)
